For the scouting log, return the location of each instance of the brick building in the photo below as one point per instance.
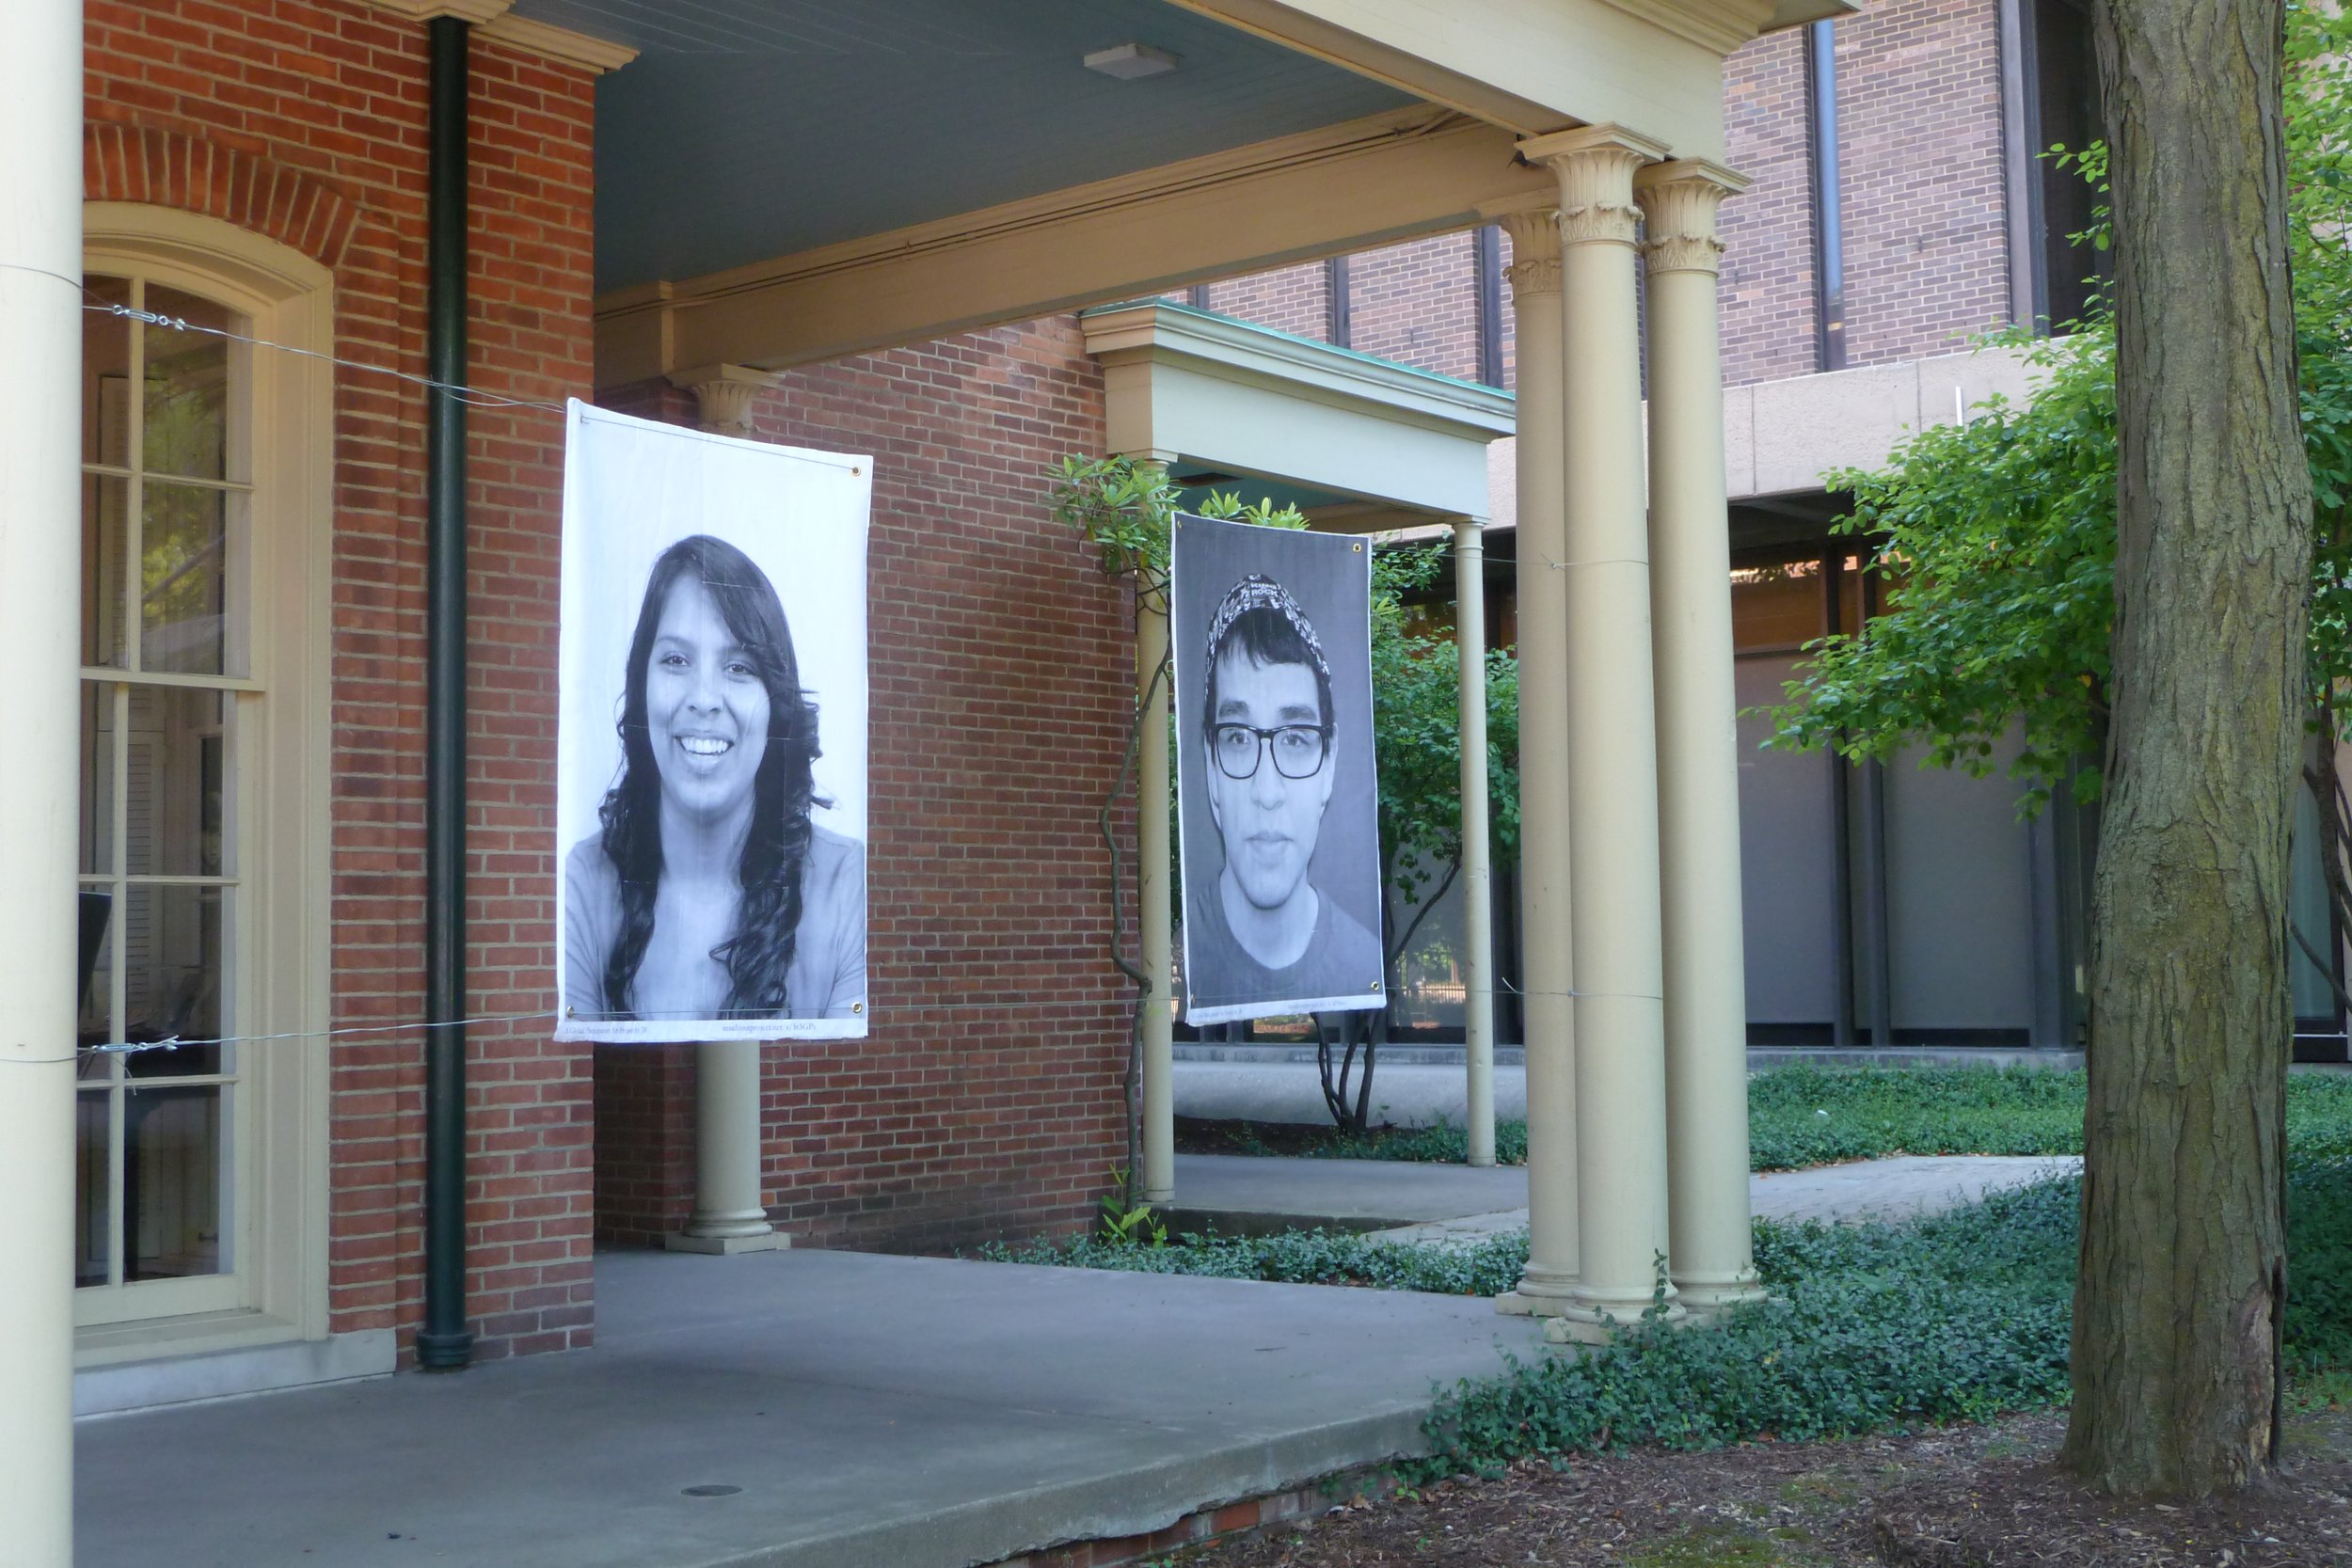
(306, 617)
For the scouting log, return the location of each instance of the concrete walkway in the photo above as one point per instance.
(857, 1410)
(871, 1410)
(1242, 1195)
(1425, 1086)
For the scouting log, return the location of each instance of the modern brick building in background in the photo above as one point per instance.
(1901, 206)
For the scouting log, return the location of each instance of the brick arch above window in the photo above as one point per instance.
(168, 168)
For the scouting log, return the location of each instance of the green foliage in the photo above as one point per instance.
(1418, 737)
(1956, 1317)
(1129, 1222)
(1804, 1116)
(2000, 532)
(1296, 1258)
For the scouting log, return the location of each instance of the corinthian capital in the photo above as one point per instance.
(1679, 203)
(724, 393)
(1596, 166)
(1535, 232)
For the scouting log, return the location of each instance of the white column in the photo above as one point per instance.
(1698, 749)
(1547, 971)
(1158, 1185)
(1613, 740)
(1478, 1000)
(730, 1193)
(41, 597)
(730, 1202)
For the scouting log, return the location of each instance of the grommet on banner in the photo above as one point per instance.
(1357, 547)
(858, 1008)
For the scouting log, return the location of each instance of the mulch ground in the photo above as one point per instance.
(1983, 1497)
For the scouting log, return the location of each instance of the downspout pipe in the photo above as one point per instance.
(1829, 218)
(444, 1343)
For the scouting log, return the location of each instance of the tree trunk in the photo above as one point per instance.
(2182, 1263)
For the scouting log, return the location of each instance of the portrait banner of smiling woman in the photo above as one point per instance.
(712, 737)
(1277, 806)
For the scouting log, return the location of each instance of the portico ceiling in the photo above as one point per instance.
(748, 129)
(787, 181)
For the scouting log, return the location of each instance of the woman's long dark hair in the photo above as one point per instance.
(759, 954)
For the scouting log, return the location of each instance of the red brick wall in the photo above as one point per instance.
(1296, 300)
(1416, 303)
(1767, 284)
(987, 1099)
(1919, 106)
(306, 119)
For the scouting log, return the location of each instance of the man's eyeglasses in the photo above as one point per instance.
(1298, 749)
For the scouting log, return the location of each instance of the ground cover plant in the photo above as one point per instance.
(1803, 1114)
(1959, 1316)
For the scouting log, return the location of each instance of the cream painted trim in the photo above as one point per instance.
(1341, 188)
(285, 836)
(1409, 445)
(1166, 333)
(476, 11)
(1529, 66)
(561, 44)
(497, 22)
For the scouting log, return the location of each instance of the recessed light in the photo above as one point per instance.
(1130, 62)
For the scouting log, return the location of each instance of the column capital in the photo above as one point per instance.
(1535, 230)
(1679, 201)
(725, 394)
(1595, 164)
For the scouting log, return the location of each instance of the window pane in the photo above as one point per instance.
(174, 821)
(97, 797)
(93, 1019)
(183, 579)
(105, 509)
(106, 375)
(172, 1173)
(187, 388)
(174, 969)
(89, 1188)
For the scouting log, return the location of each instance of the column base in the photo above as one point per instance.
(1706, 1298)
(1538, 1297)
(1585, 1323)
(725, 1247)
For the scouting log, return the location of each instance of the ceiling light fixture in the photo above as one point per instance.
(1130, 62)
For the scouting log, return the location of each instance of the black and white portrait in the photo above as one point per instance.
(712, 750)
(1277, 800)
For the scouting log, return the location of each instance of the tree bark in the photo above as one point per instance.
(2182, 1263)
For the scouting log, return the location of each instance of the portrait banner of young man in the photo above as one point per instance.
(1277, 806)
(712, 737)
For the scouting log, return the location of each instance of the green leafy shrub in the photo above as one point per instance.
(1955, 1317)
(1296, 1258)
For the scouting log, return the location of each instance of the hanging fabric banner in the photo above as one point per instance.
(711, 737)
(1277, 804)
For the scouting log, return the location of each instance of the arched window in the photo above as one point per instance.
(203, 785)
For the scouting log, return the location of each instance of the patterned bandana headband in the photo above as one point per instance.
(1259, 592)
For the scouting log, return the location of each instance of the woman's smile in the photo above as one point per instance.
(706, 707)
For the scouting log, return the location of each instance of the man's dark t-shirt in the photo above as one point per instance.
(1342, 960)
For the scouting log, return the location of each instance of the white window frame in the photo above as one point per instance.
(281, 1242)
